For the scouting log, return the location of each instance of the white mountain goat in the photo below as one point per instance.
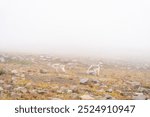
(95, 69)
(59, 67)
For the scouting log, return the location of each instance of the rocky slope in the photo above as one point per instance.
(33, 77)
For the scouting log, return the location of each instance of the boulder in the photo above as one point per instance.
(84, 81)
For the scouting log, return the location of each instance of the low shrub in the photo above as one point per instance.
(2, 72)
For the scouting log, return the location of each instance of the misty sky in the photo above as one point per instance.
(86, 27)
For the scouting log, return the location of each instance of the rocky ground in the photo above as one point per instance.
(32, 77)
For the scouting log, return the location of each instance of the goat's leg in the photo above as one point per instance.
(63, 69)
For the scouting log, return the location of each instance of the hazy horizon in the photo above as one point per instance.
(114, 29)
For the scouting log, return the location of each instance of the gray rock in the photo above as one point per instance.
(137, 94)
(84, 81)
(139, 97)
(21, 89)
(42, 91)
(143, 90)
(86, 97)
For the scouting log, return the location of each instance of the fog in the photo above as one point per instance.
(105, 28)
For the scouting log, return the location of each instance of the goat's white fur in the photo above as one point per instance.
(95, 69)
